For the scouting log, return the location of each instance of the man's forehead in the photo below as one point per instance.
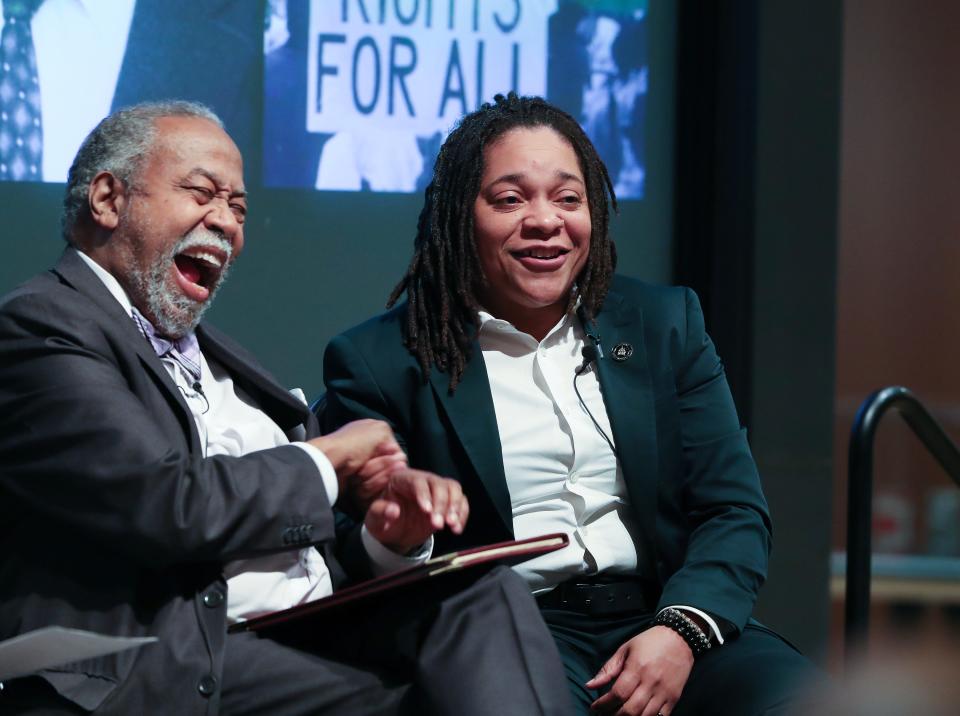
(198, 146)
(219, 180)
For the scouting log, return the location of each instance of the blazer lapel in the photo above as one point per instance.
(287, 411)
(72, 269)
(474, 420)
(629, 399)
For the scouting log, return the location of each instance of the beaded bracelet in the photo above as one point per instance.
(695, 637)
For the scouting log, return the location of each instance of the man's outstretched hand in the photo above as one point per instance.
(403, 507)
(414, 505)
(364, 453)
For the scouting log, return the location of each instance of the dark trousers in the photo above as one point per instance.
(755, 673)
(454, 646)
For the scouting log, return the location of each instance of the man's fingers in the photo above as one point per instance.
(383, 464)
(412, 484)
(381, 516)
(350, 447)
(374, 478)
(384, 509)
(389, 447)
(368, 491)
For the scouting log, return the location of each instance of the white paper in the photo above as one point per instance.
(55, 646)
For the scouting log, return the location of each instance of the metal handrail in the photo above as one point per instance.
(860, 493)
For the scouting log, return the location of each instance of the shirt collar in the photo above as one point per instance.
(187, 345)
(490, 325)
(109, 282)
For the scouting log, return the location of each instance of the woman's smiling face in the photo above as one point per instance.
(531, 226)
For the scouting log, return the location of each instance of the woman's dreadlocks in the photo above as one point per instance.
(443, 276)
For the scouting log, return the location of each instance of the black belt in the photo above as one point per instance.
(599, 595)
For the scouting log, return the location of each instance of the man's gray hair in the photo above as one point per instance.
(119, 145)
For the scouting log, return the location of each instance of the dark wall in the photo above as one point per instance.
(756, 237)
(799, 61)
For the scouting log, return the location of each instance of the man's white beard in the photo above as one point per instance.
(174, 314)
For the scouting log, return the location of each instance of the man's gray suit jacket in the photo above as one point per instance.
(110, 518)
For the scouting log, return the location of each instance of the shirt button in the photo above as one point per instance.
(213, 598)
(574, 477)
(207, 685)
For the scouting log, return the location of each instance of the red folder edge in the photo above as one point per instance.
(510, 552)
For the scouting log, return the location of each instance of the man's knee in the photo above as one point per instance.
(507, 579)
(499, 584)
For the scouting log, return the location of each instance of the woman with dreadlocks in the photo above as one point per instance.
(567, 399)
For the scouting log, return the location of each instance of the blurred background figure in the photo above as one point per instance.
(599, 72)
(67, 63)
(276, 32)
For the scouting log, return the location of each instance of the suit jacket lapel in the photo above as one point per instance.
(72, 269)
(628, 393)
(283, 408)
(288, 412)
(474, 420)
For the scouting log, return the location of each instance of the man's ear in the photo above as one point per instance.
(106, 195)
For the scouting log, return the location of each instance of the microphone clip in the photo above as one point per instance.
(590, 329)
(589, 354)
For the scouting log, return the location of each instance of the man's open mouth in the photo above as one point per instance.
(199, 269)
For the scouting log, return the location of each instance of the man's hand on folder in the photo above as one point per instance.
(414, 505)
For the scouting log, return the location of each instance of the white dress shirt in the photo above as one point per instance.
(229, 424)
(79, 45)
(561, 473)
